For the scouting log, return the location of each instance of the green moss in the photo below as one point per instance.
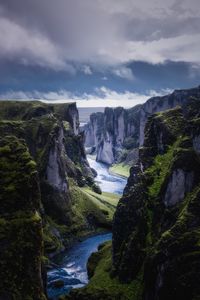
(20, 223)
(105, 201)
(161, 168)
(21, 258)
(120, 169)
(52, 243)
(159, 171)
(102, 285)
(173, 120)
(86, 210)
(66, 125)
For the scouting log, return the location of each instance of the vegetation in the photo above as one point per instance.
(120, 169)
(152, 238)
(20, 223)
(102, 285)
(37, 212)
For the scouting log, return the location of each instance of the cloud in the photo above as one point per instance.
(123, 72)
(36, 48)
(87, 70)
(182, 48)
(102, 97)
(102, 32)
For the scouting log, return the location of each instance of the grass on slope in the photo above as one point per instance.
(102, 286)
(106, 202)
(106, 198)
(120, 169)
(91, 208)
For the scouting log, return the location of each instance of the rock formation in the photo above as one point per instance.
(155, 251)
(21, 240)
(113, 133)
(156, 225)
(117, 133)
(43, 165)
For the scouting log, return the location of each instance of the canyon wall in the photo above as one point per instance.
(43, 167)
(115, 133)
(155, 252)
(156, 225)
(112, 133)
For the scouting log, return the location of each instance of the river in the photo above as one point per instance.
(72, 264)
(108, 182)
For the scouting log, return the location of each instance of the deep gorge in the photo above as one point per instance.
(51, 198)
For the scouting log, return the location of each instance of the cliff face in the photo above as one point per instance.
(43, 167)
(51, 134)
(155, 251)
(21, 244)
(116, 133)
(157, 104)
(111, 131)
(156, 225)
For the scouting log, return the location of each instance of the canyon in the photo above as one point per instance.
(43, 169)
(51, 197)
(116, 133)
(155, 251)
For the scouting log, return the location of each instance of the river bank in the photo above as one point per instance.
(70, 270)
(108, 182)
(120, 170)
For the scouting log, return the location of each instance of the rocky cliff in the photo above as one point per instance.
(117, 133)
(155, 252)
(113, 133)
(43, 208)
(21, 242)
(156, 226)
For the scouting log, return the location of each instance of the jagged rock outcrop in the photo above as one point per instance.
(157, 222)
(157, 104)
(43, 167)
(155, 251)
(117, 131)
(110, 132)
(51, 133)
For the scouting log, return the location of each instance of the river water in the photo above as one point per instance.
(72, 264)
(107, 182)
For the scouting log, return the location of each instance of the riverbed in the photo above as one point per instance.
(107, 182)
(72, 268)
(72, 264)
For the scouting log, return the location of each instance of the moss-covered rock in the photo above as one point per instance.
(52, 136)
(42, 167)
(102, 285)
(156, 225)
(21, 244)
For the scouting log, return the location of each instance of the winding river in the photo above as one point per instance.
(108, 183)
(71, 265)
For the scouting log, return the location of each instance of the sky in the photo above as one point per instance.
(98, 53)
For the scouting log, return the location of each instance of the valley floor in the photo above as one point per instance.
(120, 169)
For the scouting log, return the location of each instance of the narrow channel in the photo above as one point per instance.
(72, 264)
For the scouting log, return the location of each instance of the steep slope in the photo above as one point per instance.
(156, 241)
(117, 133)
(53, 210)
(156, 226)
(21, 244)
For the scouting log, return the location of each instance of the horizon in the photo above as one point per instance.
(81, 103)
(118, 53)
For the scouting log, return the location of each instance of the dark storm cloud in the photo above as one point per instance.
(64, 33)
